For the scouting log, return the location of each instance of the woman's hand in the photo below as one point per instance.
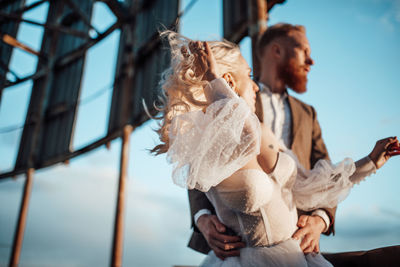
(204, 60)
(383, 150)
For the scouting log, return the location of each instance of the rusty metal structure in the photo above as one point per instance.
(68, 35)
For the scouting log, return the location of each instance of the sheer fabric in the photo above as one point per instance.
(208, 147)
(285, 254)
(324, 186)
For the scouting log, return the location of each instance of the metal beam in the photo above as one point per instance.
(119, 9)
(67, 58)
(82, 15)
(116, 259)
(258, 24)
(59, 28)
(27, 8)
(23, 214)
(69, 155)
(8, 39)
(10, 28)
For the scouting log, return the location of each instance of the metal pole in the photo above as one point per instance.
(23, 213)
(259, 16)
(120, 211)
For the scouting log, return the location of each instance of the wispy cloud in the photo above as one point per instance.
(387, 14)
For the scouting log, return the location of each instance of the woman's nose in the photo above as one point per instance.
(255, 87)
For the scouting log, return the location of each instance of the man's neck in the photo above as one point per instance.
(275, 87)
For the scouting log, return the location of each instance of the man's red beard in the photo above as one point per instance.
(294, 76)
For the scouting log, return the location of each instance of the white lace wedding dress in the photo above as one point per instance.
(208, 149)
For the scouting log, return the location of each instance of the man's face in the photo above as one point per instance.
(296, 63)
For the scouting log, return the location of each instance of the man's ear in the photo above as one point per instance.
(230, 80)
(277, 50)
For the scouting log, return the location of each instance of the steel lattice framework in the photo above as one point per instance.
(68, 35)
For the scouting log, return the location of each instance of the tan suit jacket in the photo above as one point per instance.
(307, 144)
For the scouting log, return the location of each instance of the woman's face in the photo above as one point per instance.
(245, 86)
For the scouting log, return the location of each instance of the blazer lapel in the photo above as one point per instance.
(296, 118)
(259, 105)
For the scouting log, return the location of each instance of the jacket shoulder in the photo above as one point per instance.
(308, 109)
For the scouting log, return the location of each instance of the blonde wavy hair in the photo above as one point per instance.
(182, 90)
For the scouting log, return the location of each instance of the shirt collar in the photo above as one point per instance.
(265, 89)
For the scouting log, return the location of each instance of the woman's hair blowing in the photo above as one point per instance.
(182, 90)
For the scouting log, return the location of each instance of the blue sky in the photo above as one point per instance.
(354, 87)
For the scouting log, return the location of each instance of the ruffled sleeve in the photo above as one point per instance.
(324, 186)
(206, 148)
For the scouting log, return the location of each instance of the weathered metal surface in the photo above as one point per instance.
(236, 19)
(118, 246)
(10, 28)
(141, 61)
(51, 114)
(23, 214)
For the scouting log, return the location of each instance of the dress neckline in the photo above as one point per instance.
(251, 170)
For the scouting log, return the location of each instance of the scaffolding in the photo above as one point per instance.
(68, 35)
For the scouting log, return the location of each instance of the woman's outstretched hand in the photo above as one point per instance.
(204, 61)
(383, 150)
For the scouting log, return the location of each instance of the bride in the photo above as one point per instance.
(217, 145)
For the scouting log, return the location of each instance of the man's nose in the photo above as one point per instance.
(309, 61)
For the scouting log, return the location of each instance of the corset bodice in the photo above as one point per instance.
(258, 206)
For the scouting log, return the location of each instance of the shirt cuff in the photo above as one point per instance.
(200, 213)
(324, 216)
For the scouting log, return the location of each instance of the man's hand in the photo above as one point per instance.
(310, 229)
(213, 230)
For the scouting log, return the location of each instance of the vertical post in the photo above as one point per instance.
(23, 213)
(258, 17)
(120, 211)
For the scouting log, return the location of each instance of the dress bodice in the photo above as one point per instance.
(253, 204)
(208, 150)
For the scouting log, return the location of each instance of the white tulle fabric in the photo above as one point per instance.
(207, 148)
(324, 186)
(285, 254)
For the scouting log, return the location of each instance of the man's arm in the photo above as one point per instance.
(198, 201)
(210, 228)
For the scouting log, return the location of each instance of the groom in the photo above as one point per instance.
(285, 61)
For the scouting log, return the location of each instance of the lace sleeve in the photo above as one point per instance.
(208, 147)
(324, 186)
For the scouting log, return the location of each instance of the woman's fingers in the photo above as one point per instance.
(192, 47)
(184, 51)
(207, 48)
(195, 46)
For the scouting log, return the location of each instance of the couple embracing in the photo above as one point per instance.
(262, 187)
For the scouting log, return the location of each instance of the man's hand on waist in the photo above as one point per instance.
(214, 232)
